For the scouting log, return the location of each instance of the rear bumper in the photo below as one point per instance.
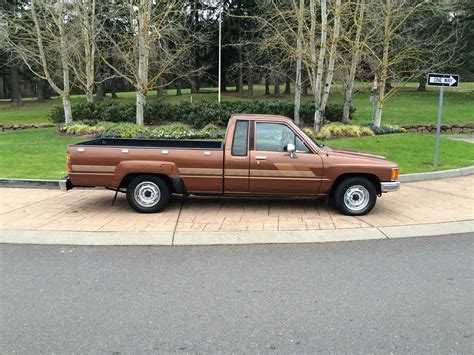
(65, 184)
(390, 186)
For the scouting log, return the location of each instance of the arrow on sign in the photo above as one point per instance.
(444, 81)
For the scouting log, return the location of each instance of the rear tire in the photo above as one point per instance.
(355, 196)
(148, 194)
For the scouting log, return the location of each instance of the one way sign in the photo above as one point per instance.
(451, 80)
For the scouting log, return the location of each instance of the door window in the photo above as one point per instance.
(275, 137)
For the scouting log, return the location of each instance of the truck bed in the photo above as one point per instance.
(154, 143)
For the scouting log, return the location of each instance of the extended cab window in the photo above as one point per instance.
(239, 144)
(274, 137)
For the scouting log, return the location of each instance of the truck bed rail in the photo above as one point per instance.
(155, 143)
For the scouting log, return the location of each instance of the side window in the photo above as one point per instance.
(273, 137)
(239, 143)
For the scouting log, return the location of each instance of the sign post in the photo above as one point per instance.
(441, 80)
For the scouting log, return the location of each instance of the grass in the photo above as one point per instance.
(405, 107)
(413, 152)
(40, 153)
(34, 154)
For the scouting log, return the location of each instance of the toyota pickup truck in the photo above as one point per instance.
(261, 155)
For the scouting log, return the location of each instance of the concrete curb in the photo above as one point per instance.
(33, 183)
(436, 175)
(61, 184)
(231, 238)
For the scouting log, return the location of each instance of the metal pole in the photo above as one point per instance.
(220, 56)
(438, 127)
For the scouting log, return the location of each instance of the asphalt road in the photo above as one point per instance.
(402, 296)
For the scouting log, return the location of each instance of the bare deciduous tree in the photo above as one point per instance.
(154, 43)
(355, 48)
(394, 15)
(37, 35)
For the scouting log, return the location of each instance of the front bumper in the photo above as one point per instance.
(390, 186)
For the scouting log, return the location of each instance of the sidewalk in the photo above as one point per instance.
(417, 203)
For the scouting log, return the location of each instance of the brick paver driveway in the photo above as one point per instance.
(90, 210)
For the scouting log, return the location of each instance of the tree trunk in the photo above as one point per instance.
(305, 88)
(318, 76)
(332, 60)
(241, 74)
(384, 72)
(67, 109)
(100, 92)
(223, 82)
(249, 83)
(178, 87)
(15, 86)
(276, 90)
(267, 86)
(287, 85)
(2, 88)
(113, 88)
(141, 100)
(354, 62)
(88, 34)
(160, 90)
(422, 84)
(144, 16)
(40, 90)
(194, 86)
(299, 54)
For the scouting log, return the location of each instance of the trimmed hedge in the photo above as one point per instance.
(197, 114)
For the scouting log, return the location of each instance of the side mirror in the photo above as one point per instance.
(292, 150)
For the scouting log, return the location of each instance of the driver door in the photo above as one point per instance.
(273, 171)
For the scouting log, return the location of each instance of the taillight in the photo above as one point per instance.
(68, 163)
(394, 175)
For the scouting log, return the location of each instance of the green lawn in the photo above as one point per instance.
(413, 152)
(34, 154)
(406, 106)
(41, 153)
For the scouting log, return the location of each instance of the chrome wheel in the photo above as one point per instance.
(356, 198)
(147, 194)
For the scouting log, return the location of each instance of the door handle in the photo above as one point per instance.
(261, 157)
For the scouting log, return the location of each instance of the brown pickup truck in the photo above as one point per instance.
(261, 155)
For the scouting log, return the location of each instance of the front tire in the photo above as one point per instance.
(148, 194)
(355, 196)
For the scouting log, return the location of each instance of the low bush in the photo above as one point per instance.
(130, 130)
(335, 130)
(86, 127)
(387, 129)
(197, 114)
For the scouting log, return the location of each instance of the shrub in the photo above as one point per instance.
(387, 129)
(198, 114)
(84, 127)
(173, 131)
(334, 130)
(310, 133)
(126, 130)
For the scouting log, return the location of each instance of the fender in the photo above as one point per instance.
(144, 166)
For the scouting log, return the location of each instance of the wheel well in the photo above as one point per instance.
(371, 177)
(127, 178)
